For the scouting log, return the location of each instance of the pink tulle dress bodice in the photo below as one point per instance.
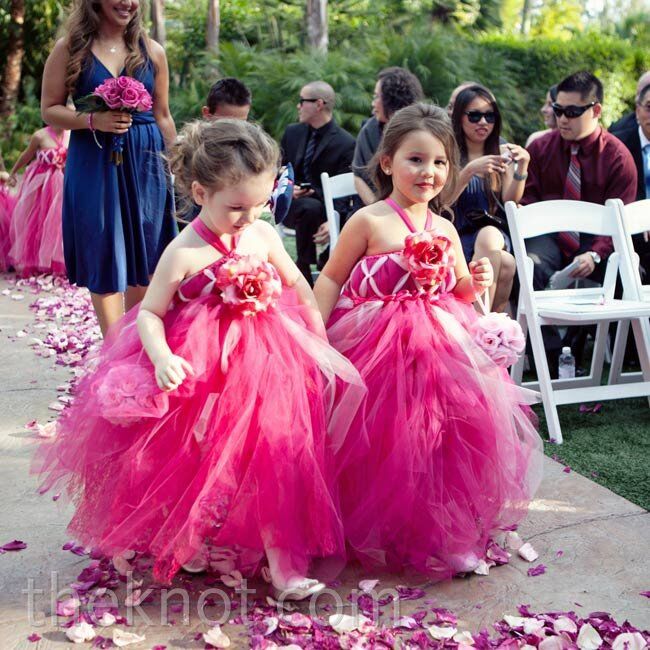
(440, 419)
(239, 457)
(36, 230)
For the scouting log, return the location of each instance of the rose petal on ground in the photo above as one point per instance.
(55, 406)
(368, 585)
(121, 565)
(588, 638)
(215, 637)
(629, 641)
(121, 638)
(46, 430)
(440, 633)
(527, 552)
(16, 545)
(513, 540)
(533, 626)
(565, 624)
(107, 620)
(514, 621)
(407, 622)
(567, 470)
(271, 623)
(343, 623)
(483, 568)
(536, 570)
(80, 633)
(232, 579)
(67, 607)
(33, 637)
(645, 593)
(464, 638)
(553, 643)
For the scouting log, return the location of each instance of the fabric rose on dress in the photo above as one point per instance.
(248, 284)
(128, 393)
(429, 256)
(500, 337)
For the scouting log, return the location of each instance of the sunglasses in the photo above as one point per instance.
(302, 100)
(570, 111)
(475, 116)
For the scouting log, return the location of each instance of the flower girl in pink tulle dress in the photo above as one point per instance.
(205, 429)
(451, 456)
(7, 202)
(36, 231)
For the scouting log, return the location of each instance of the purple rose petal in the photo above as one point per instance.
(16, 545)
(536, 570)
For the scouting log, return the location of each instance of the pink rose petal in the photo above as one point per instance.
(33, 637)
(16, 545)
(536, 570)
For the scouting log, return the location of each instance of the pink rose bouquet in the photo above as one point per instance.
(117, 94)
(248, 284)
(500, 337)
(129, 393)
(429, 256)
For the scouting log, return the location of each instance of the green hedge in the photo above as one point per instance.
(518, 70)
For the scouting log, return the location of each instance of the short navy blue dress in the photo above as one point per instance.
(473, 197)
(117, 219)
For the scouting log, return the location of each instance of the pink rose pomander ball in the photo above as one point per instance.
(500, 337)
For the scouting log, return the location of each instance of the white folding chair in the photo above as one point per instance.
(581, 306)
(335, 187)
(636, 220)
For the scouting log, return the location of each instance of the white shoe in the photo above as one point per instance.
(298, 589)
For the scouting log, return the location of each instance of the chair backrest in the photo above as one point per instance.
(335, 187)
(635, 219)
(548, 217)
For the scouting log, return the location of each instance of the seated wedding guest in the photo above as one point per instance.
(579, 161)
(547, 114)
(491, 175)
(228, 97)
(395, 88)
(629, 120)
(315, 145)
(637, 140)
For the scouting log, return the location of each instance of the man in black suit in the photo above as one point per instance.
(637, 140)
(313, 146)
(629, 121)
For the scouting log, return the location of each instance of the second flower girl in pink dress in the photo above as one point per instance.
(36, 231)
(206, 428)
(451, 456)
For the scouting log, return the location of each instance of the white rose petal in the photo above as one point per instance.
(514, 541)
(107, 620)
(368, 585)
(629, 641)
(223, 566)
(18, 296)
(406, 621)
(217, 638)
(80, 633)
(482, 569)
(464, 638)
(527, 552)
(564, 624)
(271, 623)
(514, 621)
(532, 626)
(21, 334)
(553, 643)
(342, 623)
(588, 638)
(440, 633)
(122, 638)
(232, 579)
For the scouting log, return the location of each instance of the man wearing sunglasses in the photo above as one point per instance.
(579, 161)
(315, 145)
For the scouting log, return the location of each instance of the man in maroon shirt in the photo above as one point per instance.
(601, 168)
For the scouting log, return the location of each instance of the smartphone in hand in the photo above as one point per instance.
(304, 186)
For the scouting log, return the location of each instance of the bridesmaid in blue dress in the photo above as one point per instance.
(117, 219)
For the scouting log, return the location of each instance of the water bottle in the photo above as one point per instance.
(567, 365)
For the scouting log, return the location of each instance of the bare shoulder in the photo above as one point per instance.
(444, 225)
(61, 50)
(156, 50)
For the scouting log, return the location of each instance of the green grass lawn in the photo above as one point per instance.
(611, 447)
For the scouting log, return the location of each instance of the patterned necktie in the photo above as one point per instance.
(570, 241)
(309, 155)
(646, 168)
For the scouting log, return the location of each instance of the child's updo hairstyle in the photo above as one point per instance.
(417, 117)
(219, 153)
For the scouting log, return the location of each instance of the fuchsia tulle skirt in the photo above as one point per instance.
(239, 456)
(452, 457)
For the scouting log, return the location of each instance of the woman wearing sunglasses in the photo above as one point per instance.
(492, 173)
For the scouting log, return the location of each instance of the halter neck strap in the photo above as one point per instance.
(52, 133)
(405, 218)
(211, 237)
